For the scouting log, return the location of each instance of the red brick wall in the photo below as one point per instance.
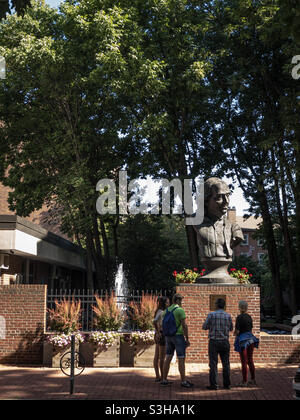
(251, 243)
(278, 349)
(39, 217)
(196, 302)
(15, 266)
(197, 306)
(24, 309)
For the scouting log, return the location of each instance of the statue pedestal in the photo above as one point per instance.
(217, 268)
(199, 301)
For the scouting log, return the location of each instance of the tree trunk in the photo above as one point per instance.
(193, 246)
(289, 252)
(89, 263)
(272, 254)
(282, 214)
(97, 256)
(297, 199)
(115, 236)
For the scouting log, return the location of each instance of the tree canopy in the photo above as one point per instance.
(163, 88)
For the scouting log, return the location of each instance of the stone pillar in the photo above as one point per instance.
(197, 302)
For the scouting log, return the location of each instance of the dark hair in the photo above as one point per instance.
(220, 303)
(177, 297)
(162, 303)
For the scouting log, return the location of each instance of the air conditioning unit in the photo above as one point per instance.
(4, 261)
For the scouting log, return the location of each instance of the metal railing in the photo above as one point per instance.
(88, 300)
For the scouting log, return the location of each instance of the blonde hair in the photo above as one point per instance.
(243, 305)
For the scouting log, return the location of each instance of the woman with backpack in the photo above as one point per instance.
(160, 341)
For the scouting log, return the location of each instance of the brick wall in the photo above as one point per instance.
(197, 306)
(278, 349)
(39, 217)
(196, 302)
(252, 248)
(24, 310)
(15, 266)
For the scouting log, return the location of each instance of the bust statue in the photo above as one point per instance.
(217, 235)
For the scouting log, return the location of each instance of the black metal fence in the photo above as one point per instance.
(88, 300)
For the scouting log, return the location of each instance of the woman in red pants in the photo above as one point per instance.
(245, 343)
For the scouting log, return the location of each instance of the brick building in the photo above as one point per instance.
(34, 251)
(251, 247)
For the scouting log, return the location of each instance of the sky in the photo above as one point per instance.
(236, 199)
(53, 3)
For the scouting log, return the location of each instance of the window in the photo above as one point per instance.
(260, 242)
(260, 256)
(246, 239)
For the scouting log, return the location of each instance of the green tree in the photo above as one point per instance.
(152, 247)
(61, 115)
(255, 104)
(20, 6)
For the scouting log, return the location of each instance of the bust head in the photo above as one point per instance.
(216, 198)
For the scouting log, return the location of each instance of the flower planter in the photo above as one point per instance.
(126, 354)
(144, 355)
(52, 354)
(99, 356)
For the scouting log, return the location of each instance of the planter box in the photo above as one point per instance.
(144, 355)
(126, 355)
(52, 355)
(96, 356)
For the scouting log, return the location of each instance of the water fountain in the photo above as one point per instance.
(121, 288)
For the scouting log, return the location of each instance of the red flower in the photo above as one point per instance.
(244, 268)
(174, 273)
(250, 275)
(203, 270)
(195, 269)
(233, 269)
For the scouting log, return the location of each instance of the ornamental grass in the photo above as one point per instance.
(143, 312)
(65, 317)
(108, 315)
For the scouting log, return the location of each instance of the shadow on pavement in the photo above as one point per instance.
(274, 383)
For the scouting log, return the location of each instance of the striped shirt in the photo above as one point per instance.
(219, 324)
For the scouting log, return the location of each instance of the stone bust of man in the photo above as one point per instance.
(217, 235)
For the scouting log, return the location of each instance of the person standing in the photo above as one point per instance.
(160, 341)
(179, 342)
(219, 324)
(245, 343)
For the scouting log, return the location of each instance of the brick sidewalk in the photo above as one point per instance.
(274, 383)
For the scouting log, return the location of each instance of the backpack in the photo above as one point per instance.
(169, 327)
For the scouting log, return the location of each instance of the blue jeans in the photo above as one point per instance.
(177, 343)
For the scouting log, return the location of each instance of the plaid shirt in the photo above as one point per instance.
(219, 323)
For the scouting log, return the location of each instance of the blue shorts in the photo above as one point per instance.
(177, 343)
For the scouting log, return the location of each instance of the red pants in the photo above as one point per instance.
(246, 356)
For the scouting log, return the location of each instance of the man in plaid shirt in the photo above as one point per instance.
(219, 324)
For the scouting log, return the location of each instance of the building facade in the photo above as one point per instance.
(34, 251)
(251, 247)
